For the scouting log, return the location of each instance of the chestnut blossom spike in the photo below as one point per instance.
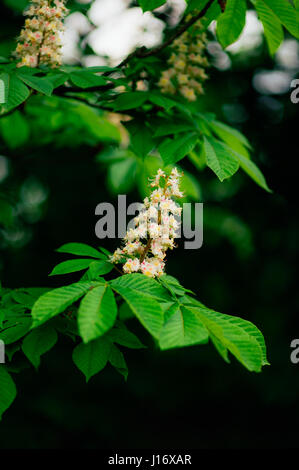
(40, 39)
(156, 227)
(187, 64)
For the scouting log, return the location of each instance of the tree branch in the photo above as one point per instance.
(140, 53)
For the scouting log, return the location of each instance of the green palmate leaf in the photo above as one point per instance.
(8, 390)
(148, 5)
(173, 150)
(253, 171)
(80, 249)
(220, 158)
(272, 26)
(71, 266)
(56, 301)
(231, 23)
(15, 328)
(41, 84)
(130, 100)
(125, 338)
(144, 306)
(91, 358)
(230, 333)
(38, 342)
(286, 14)
(182, 328)
(14, 130)
(99, 268)
(97, 313)
(85, 79)
(117, 360)
(16, 91)
(121, 176)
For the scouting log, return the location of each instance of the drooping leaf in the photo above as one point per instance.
(97, 313)
(272, 26)
(15, 328)
(38, 342)
(125, 338)
(231, 22)
(17, 92)
(117, 360)
(92, 357)
(286, 14)
(253, 171)
(219, 158)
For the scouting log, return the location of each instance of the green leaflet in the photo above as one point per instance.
(85, 79)
(272, 26)
(243, 340)
(182, 328)
(117, 360)
(173, 150)
(286, 14)
(97, 313)
(70, 266)
(80, 249)
(142, 284)
(99, 268)
(15, 328)
(56, 301)
(146, 309)
(125, 338)
(38, 342)
(16, 92)
(219, 158)
(230, 24)
(91, 358)
(253, 171)
(8, 390)
(41, 84)
(130, 100)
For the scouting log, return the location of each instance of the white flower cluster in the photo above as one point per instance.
(40, 39)
(187, 65)
(156, 227)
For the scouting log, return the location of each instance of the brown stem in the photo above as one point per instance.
(146, 248)
(139, 53)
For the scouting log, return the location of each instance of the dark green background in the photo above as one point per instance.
(188, 398)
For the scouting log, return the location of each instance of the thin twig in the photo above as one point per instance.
(140, 53)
